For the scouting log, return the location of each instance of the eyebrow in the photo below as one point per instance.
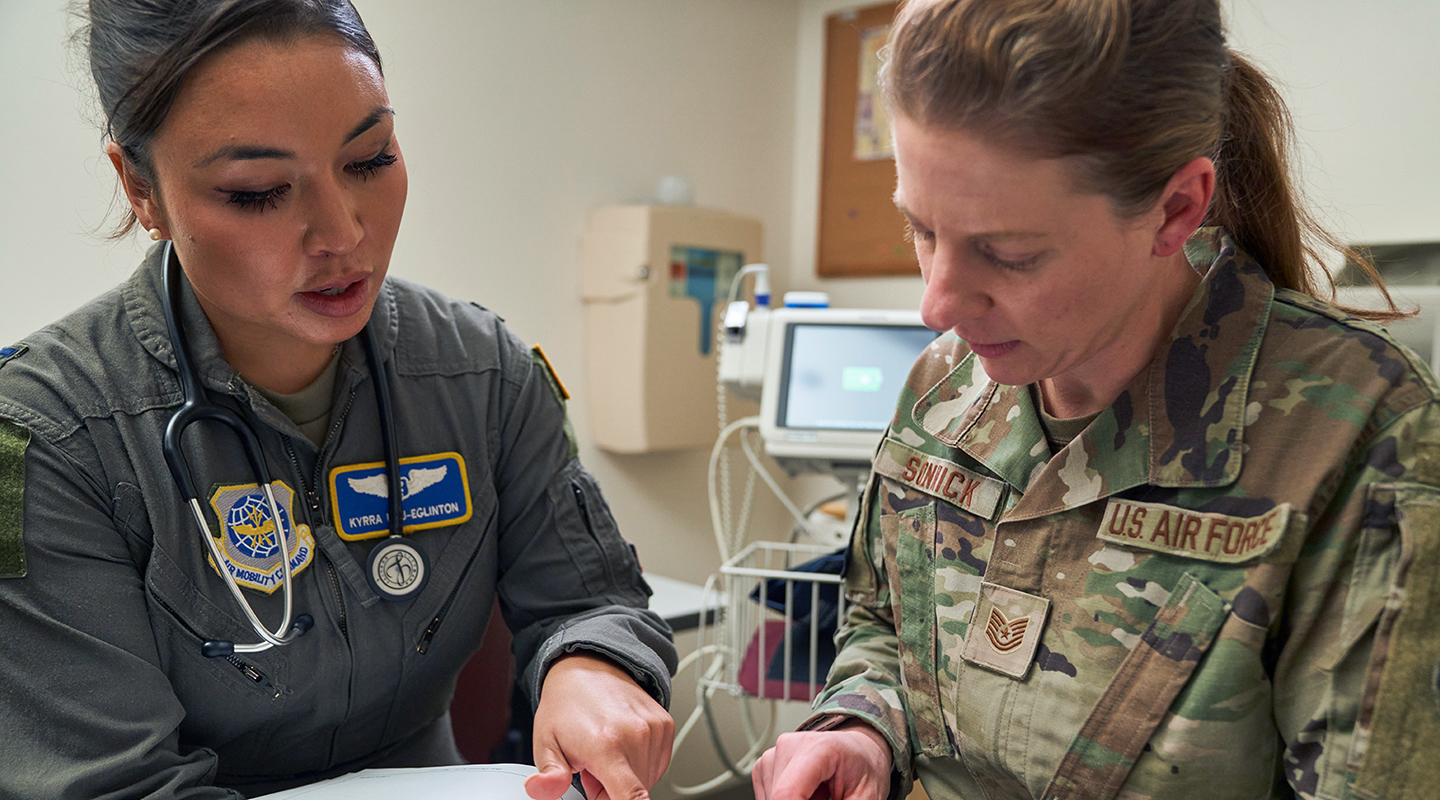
(983, 236)
(250, 152)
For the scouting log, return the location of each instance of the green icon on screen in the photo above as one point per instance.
(861, 379)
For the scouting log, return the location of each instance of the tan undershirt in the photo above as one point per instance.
(1060, 432)
(309, 408)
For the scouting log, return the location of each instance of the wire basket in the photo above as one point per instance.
(775, 623)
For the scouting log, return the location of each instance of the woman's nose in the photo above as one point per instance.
(954, 291)
(334, 227)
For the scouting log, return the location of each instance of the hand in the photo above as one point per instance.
(594, 719)
(851, 762)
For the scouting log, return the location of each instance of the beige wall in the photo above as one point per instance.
(516, 119)
(1359, 79)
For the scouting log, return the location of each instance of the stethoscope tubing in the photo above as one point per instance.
(196, 408)
(388, 441)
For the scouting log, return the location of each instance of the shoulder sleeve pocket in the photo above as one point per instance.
(1400, 709)
(13, 442)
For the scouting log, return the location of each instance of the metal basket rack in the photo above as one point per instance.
(755, 637)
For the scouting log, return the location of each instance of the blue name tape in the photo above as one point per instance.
(434, 492)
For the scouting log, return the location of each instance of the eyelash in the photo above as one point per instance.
(270, 198)
(915, 236)
(918, 237)
(990, 256)
(257, 201)
(367, 168)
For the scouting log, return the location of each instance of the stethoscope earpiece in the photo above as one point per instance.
(224, 648)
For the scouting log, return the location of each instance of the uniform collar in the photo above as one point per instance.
(145, 310)
(1180, 422)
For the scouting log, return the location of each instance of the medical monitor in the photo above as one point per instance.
(832, 378)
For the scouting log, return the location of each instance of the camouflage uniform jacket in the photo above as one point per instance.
(1226, 586)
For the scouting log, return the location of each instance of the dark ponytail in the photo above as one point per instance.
(140, 52)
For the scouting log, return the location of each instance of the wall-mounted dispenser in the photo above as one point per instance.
(654, 280)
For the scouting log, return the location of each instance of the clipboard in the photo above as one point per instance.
(490, 781)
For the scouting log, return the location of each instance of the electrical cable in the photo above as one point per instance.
(765, 475)
(721, 530)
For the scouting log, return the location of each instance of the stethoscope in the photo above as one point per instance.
(396, 568)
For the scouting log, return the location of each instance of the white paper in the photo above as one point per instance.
(489, 781)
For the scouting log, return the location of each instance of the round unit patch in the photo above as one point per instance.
(397, 569)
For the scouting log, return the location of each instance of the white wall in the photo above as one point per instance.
(517, 119)
(1362, 81)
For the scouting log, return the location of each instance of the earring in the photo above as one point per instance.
(156, 235)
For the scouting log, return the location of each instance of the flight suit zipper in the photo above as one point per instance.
(423, 645)
(340, 620)
(311, 489)
(314, 510)
(246, 668)
(590, 529)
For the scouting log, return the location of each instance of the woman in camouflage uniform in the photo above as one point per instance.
(1153, 519)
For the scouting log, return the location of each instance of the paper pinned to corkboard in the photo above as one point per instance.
(872, 125)
(860, 233)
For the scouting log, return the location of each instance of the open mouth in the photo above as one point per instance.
(337, 301)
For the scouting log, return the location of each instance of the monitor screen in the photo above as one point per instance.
(845, 377)
(832, 378)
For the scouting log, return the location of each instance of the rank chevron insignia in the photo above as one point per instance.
(1005, 634)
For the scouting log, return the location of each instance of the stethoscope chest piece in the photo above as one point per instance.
(397, 569)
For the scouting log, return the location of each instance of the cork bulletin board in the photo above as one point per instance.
(860, 232)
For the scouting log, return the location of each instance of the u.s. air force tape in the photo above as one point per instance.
(936, 476)
(1220, 538)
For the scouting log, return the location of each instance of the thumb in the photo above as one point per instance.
(553, 777)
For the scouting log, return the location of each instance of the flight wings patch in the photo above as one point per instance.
(434, 492)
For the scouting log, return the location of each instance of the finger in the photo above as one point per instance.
(619, 781)
(553, 777)
(548, 785)
(661, 747)
(592, 787)
(759, 773)
(801, 778)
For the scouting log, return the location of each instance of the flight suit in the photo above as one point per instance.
(107, 589)
(1225, 586)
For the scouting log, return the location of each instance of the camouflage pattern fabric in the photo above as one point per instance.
(1198, 596)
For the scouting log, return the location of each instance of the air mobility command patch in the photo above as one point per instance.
(1005, 630)
(434, 492)
(1220, 538)
(250, 538)
(13, 441)
(936, 476)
